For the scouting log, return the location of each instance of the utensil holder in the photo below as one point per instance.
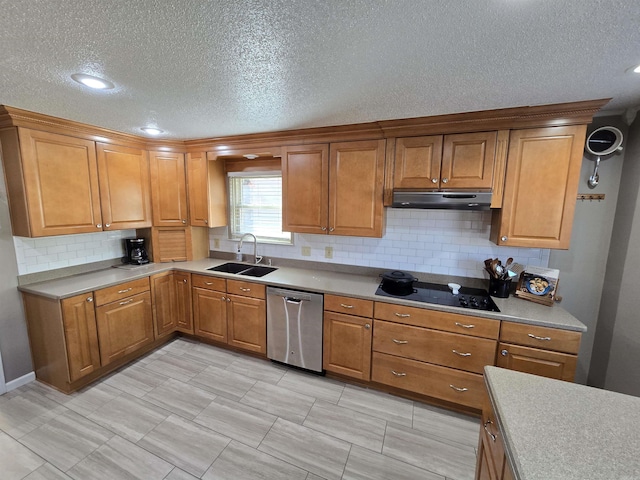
(499, 288)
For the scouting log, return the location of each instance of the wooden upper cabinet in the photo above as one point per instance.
(124, 187)
(201, 206)
(305, 188)
(52, 183)
(449, 162)
(168, 189)
(543, 171)
(356, 180)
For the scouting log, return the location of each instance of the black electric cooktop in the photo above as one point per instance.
(474, 298)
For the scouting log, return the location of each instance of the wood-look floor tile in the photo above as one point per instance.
(429, 453)
(179, 346)
(129, 416)
(378, 404)
(313, 476)
(364, 464)
(178, 474)
(258, 369)
(120, 459)
(237, 421)
(279, 401)
(16, 460)
(89, 399)
(176, 367)
(315, 386)
(27, 411)
(239, 462)
(348, 425)
(47, 472)
(223, 382)
(136, 380)
(310, 450)
(66, 439)
(180, 398)
(211, 355)
(456, 427)
(185, 444)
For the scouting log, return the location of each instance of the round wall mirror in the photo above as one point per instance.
(604, 141)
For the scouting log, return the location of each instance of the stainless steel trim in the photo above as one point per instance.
(458, 200)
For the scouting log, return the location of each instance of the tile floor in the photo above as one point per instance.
(190, 410)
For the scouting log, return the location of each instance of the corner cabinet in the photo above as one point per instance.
(334, 189)
(541, 185)
(171, 299)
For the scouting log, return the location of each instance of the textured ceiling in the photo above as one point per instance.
(213, 68)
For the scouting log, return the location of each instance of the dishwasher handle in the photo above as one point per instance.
(294, 300)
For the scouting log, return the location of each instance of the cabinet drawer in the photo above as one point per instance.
(210, 283)
(124, 290)
(432, 380)
(449, 322)
(246, 289)
(351, 306)
(541, 337)
(442, 348)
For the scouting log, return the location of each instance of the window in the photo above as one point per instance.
(255, 206)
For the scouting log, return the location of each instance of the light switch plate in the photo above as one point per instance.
(306, 251)
(328, 252)
(216, 243)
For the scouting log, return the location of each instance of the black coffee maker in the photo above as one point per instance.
(136, 252)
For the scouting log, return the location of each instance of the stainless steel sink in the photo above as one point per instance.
(243, 269)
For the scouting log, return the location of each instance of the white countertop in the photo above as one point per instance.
(322, 281)
(565, 431)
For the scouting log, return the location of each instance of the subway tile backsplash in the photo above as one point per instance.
(48, 253)
(432, 241)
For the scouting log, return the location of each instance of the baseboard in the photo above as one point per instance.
(20, 381)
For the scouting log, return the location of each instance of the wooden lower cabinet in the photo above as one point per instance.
(163, 294)
(246, 323)
(81, 336)
(347, 345)
(183, 310)
(492, 462)
(124, 326)
(561, 366)
(210, 314)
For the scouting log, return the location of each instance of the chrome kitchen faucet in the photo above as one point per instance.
(256, 258)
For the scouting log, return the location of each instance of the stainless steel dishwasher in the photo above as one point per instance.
(294, 327)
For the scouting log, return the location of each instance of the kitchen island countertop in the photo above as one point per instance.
(322, 281)
(560, 430)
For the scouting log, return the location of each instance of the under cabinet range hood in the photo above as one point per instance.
(460, 200)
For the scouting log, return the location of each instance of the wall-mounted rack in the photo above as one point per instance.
(591, 196)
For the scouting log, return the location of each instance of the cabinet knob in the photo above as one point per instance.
(445, 180)
(331, 229)
(184, 280)
(367, 326)
(504, 353)
(107, 225)
(184, 221)
(89, 299)
(223, 298)
(434, 180)
(324, 229)
(504, 238)
(206, 222)
(99, 225)
(228, 299)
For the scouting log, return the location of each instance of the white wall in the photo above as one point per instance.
(433, 241)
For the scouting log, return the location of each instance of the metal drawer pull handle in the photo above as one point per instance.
(458, 389)
(399, 342)
(461, 354)
(346, 306)
(398, 374)
(492, 435)
(538, 338)
(245, 289)
(208, 283)
(126, 301)
(126, 290)
(403, 315)
(464, 326)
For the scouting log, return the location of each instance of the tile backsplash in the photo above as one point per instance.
(48, 253)
(433, 241)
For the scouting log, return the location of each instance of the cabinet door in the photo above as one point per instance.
(163, 293)
(81, 335)
(124, 187)
(305, 188)
(541, 184)
(545, 363)
(124, 327)
(184, 319)
(210, 314)
(356, 179)
(467, 161)
(347, 345)
(417, 162)
(247, 325)
(61, 183)
(198, 187)
(168, 189)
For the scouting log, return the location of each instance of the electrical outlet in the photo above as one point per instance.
(328, 252)
(216, 243)
(306, 251)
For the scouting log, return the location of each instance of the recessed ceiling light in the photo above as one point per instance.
(636, 69)
(92, 82)
(152, 130)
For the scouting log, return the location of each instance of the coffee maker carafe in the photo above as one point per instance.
(136, 252)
